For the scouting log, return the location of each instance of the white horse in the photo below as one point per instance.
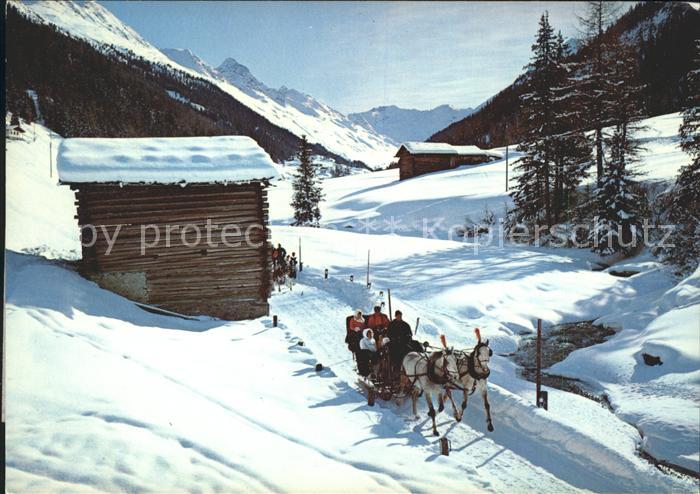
(419, 373)
(473, 371)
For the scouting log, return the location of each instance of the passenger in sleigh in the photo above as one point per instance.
(368, 353)
(355, 324)
(401, 340)
(378, 321)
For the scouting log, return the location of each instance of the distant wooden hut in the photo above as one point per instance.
(418, 158)
(14, 130)
(179, 223)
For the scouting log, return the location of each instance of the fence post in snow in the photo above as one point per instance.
(506, 157)
(388, 291)
(538, 364)
(301, 264)
(368, 285)
(370, 396)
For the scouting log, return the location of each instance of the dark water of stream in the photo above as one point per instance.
(557, 343)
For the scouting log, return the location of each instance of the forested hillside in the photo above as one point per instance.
(662, 35)
(85, 92)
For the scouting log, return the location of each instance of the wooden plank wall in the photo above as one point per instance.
(420, 164)
(182, 274)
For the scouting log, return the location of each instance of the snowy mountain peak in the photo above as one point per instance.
(186, 58)
(401, 124)
(87, 20)
(240, 76)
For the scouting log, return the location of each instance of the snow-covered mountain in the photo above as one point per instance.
(238, 75)
(186, 58)
(286, 108)
(402, 124)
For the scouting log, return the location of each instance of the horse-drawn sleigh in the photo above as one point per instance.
(377, 373)
(425, 370)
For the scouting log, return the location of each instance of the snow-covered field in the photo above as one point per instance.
(380, 203)
(101, 395)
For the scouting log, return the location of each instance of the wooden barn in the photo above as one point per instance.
(177, 223)
(418, 158)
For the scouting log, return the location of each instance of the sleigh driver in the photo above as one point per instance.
(400, 341)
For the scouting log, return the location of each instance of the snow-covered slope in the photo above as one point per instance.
(103, 396)
(289, 109)
(439, 203)
(402, 124)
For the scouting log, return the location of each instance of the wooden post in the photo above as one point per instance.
(506, 167)
(444, 446)
(506, 157)
(301, 265)
(274, 320)
(538, 357)
(368, 285)
(391, 314)
(370, 396)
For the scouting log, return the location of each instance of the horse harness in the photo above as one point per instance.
(432, 361)
(445, 380)
(471, 367)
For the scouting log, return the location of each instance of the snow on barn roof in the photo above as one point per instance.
(163, 160)
(444, 148)
(428, 148)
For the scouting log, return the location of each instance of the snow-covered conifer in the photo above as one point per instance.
(555, 159)
(619, 207)
(531, 196)
(307, 190)
(684, 207)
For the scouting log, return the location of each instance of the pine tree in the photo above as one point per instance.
(572, 148)
(573, 158)
(618, 225)
(690, 128)
(684, 208)
(532, 195)
(307, 190)
(591, 75)
(555, 159)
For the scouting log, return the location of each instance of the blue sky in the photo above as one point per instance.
(355, 56)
